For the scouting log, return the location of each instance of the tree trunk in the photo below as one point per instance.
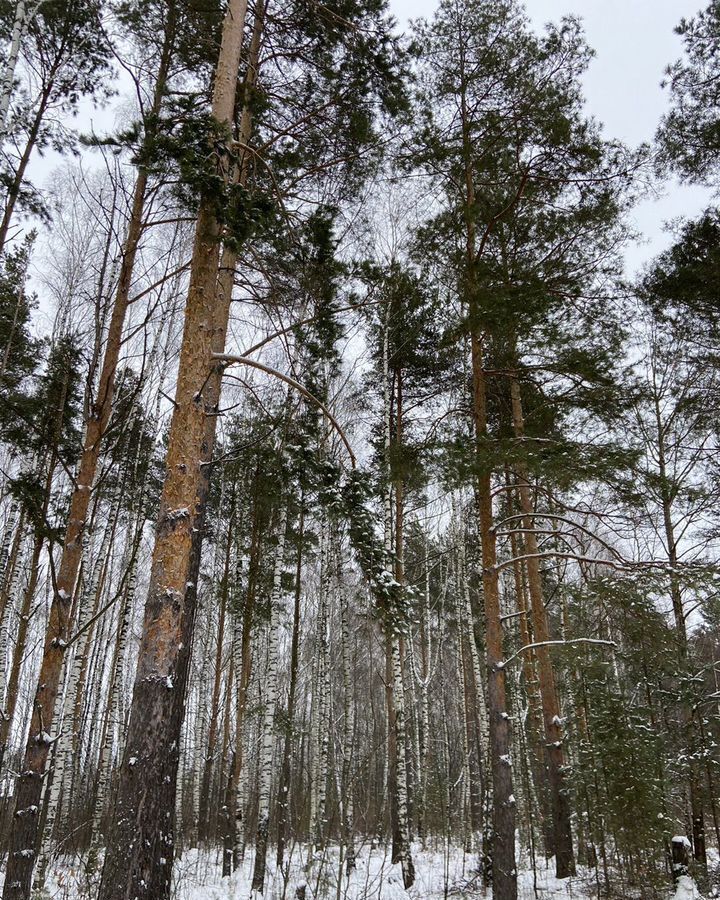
(534, 728)
(11, 578)
(138, 862)
(268, 726)
(346, 782)
(60, 619)
(321, 701)
(67, 751)
(477, 720)
(697, 811)
(552, 721)
(284, 786)
(13, 191)
(242, 654)
(504, 873)
(8, 77)
(205, 788)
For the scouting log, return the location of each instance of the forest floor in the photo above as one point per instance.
(198, 876)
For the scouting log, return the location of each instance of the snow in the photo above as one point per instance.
(686, 889)
(439, 874)
(682, 839)
(197, 878)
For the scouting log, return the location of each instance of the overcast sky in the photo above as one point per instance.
(633, 41)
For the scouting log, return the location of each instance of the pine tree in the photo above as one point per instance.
(688, 133)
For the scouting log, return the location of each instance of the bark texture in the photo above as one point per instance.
(140, 854)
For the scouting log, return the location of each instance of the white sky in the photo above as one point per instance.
(634, 41)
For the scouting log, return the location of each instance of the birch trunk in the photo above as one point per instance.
(11, 582)
(242, 661)
(403, 849)
(284, 786)
(477, 721)
(23, 15)
(464, 714)
(8, 77)
(112, 725)
(347, 736)
(423, 681)
(321, 702)
(205, 789)
(268, 725)
(13, 685)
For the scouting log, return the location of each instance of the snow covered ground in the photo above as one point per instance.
(438, 875)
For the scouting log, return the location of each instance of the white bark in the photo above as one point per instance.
(6, 626)
(468, 621)
(401, 767)
(465, 811)
(23, 15)
(346, 795)
(268, 724)
(321, 736)
(7, 540)
(113, 724)
(62, 723)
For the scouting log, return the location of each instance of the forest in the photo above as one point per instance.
(359, 506)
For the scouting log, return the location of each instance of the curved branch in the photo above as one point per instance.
(575, 525)
(229, 359)
(501, 665)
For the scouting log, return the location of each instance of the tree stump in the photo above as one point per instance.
(680, 857)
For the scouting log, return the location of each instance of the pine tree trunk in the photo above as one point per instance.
(504, 873)
(562, 830)
(138, 862)
(28, 790)
(15, 185)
